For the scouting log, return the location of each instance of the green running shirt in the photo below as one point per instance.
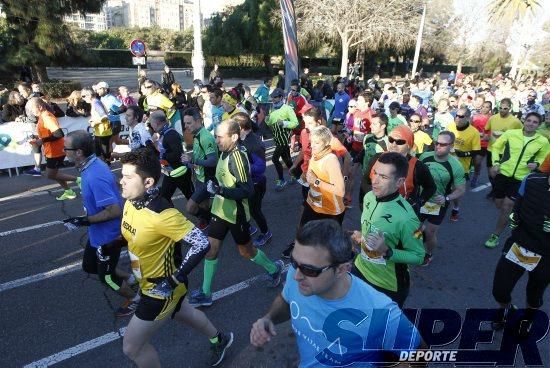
(447, 174)
(204, 144)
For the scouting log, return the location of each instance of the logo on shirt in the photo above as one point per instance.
(387, 217)
(129, 228)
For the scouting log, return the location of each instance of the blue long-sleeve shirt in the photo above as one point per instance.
(256, 156)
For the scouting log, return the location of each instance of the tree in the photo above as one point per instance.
(39, 34)
(376, 23)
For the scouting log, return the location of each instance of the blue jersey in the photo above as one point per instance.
(99, 190)
(112, 105)
(353, 331)
(341, 101)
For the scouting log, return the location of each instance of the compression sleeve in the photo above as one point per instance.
(257, 165)
(199, 247)
(238, 167)
(58, 134)
(210, 161)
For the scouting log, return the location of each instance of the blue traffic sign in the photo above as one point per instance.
(137, 47)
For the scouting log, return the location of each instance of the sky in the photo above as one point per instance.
(210, 6)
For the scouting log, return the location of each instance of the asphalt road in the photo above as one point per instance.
(62, 310)
(51, 312)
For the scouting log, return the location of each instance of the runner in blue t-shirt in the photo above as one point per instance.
(103, 205)
(321, 297)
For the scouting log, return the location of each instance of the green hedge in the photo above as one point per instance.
(178, 59)
(242, 72)
(60, 88)
(103, 58)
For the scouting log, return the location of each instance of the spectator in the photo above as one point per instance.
(262, 93)
(76, 106)
(178, 96)
(125, 98)
(14, 109)
(215, 74)
(167, 79)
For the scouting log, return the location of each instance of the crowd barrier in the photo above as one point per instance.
(16, 151)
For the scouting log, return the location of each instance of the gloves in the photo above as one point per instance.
(514, 221)
(213, 188)
(164, 288)
(74, 223)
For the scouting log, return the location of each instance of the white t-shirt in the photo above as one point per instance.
(139, 135)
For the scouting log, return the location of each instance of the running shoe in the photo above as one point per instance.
(218, 350)
(78, 182)
(288, 251)
(492, 242)
(262, 239)
(303, 183)
(199, 299)
(253, 230)
(454, 215)
(203, 224)
(280, 185)
(67, 194)
(427, 260)
(274, 279)
(126, 309)
(33, 172)
(508, 313)
(292, 180)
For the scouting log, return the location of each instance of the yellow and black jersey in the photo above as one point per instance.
(153, 234)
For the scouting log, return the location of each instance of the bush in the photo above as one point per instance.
(60, 88)
(243, 72)
(103, 58)
(244, 60)
(178, 59)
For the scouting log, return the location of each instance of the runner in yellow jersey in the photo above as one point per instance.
(155, 231)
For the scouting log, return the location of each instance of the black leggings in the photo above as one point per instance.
(184, 183)
(507, 274)
(256, 206)
(105, 270)
(398, 296)
(284, 153)
(103, 147)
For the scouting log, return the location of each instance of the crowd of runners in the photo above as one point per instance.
(410, 147)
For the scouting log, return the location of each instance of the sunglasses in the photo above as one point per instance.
(307, 270)
(442, 144)
(69, 149)
(415, 121)
(460, 116)
(399, 142)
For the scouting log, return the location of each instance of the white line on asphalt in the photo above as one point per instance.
(113, 336)
(481, 187)
(29, 228)
(71, 267)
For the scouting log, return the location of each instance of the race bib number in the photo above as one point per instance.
(316, 198)
(523, 257)
(134, 265)
(369, 255)
(430, 208)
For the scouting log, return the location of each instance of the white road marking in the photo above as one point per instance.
(29, 228)
(481, 187)
(71, 267)
(113, 336)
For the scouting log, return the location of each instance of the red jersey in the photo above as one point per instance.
(479, 121)
(361, 127)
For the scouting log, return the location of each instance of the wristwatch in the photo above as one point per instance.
(447, 199)
(389, 254)
(317, 182)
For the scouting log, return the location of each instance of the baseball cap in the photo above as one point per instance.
(277, 92)
(305, 108)
(102, 85)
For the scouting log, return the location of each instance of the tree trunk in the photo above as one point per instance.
(515, 63)
(345, 56)
(40, 74)
(458, 68)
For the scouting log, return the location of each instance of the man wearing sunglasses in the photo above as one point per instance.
(516, 154)
(318, 289)
(467, 145)
(448, 175)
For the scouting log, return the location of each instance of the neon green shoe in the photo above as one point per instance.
(68, 194)
(79, 182)
(492, 242)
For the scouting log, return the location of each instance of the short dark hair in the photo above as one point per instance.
(327, 234)
(193, 112)
(83, 141)
(398, 161)
(506, 100)
(315, 113)
(384, 118)
(449, 134)
(147, 164)
(217, 92)
(244, 120)
(137, 111)
(535, 114)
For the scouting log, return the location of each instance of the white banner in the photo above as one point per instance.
(16, 151)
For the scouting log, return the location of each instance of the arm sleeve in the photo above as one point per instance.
(199, 246)
(210, 161)
(257, 165)
(542, 153)
(497, 148)
(426, 181)
(58, 134)
(174, 149)
(239, 168)
(413, 248)
(292, 119)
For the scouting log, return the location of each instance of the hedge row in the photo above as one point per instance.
(103, 58)
(60, 88)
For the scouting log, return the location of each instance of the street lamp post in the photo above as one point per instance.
(419, 41)
(197, 60)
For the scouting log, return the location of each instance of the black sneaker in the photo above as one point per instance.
(288, 251)
(218, 350)
(508, 313)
